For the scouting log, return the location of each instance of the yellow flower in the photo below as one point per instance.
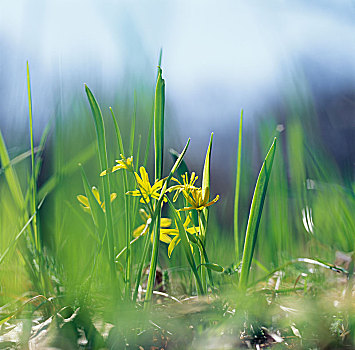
(143, 229)
(185, 187)
(197, 200)
(84, 202)
(124, 163)
(146, 191)
(175, 232)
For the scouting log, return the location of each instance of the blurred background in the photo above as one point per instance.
(284, 62)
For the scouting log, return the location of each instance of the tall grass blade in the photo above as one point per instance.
(237, 189)
(203, 215)
(101, 139)
(126, 203)
(33, 184)
(133, 125)
(206, 187)
(159, 104)
(255, 215)
(151, 120)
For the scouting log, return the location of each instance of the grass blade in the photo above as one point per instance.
(237, 189)
(133, 125)
(159, 103)
(101, 139)
(33, 184)
(255, 215)
(126, 203)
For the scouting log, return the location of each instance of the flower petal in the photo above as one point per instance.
(165, 238)
(137, 232)
(96, 193)
(165, 222)
(173, 244)
(82, 199)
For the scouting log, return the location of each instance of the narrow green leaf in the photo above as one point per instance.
(151, 120)
(206, 171)
(101, 139)
(33, 182)
(213, 267)
(204, 260)
(159, 103)
(255, 215)
(182, 169)
(237, 189)
(126, 202)
(206, 189)
(133, 125)
(118, 133)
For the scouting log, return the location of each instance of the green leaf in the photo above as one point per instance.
(101, 140)
(159, 103)
(206, 171)
(237, 188)
(133, 125)
(206, 188)
(255, 215)
(213, 266)
(118, 133)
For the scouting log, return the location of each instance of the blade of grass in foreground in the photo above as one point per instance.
(159, 103)
(255, 216)
(126, 203)
(101, 139)
(33, 184)
(151, 120)
(203, 216)
(237, 189)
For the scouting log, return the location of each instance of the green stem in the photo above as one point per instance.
(153, 261)
(33, 176)
(237, 190)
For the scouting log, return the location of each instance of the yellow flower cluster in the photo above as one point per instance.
(195, 196)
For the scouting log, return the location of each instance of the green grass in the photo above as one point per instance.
(291, 286)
